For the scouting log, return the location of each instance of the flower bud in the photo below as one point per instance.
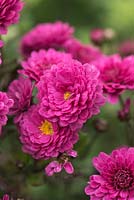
(101, 125)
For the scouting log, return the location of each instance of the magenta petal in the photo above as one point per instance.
(113, 99)
(72, 153)
(58, 168)
(68, 168)
(6, 197)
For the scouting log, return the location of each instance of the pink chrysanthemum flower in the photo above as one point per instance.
(44, 139)
(116, 176)
(116, 75)
(40, 61)
(45, 36)
(83, 53)
(20, 91)
(70, 93)
(9, 13)
(5, 104)
(62, 162)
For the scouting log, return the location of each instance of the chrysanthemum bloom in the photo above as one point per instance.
(40, 61)
(5, 104)
(83, 53)
(44, 139)
(116, 176)
(20, 91)
(9, 13)
(5, 197)
(116, 74)
(124, 113)
(126, 48)
(62, 162)
(70, 93)
(45, 36)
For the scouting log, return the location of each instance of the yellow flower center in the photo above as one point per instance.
(67, 95)
(46, 128)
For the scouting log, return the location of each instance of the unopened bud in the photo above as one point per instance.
(124, 114)
(101, 125)
(19, 164)
(109, 34)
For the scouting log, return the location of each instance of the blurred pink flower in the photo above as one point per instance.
(20, 91)
(97, 36)
(42, 138)
(38, 62)
(45, 36)
(116, 176)
(5, 104)
(126, 48)
(116, 74)
(1, 43)
(5, 197)
(83, 53)
(70, 93)
(9, 13)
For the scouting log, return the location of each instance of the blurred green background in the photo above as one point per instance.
(83, 15)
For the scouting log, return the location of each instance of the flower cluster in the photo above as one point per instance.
(116, 176)
(5, 104)
(58, 36)
(68, 94)
(9, 13)
(60, 86)
(54, 97)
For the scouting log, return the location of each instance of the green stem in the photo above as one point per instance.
(89, 146)
(2, 54)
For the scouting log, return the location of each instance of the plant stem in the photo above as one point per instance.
(89, 146)
(2, 54)
(130, 131)
(121, 101)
